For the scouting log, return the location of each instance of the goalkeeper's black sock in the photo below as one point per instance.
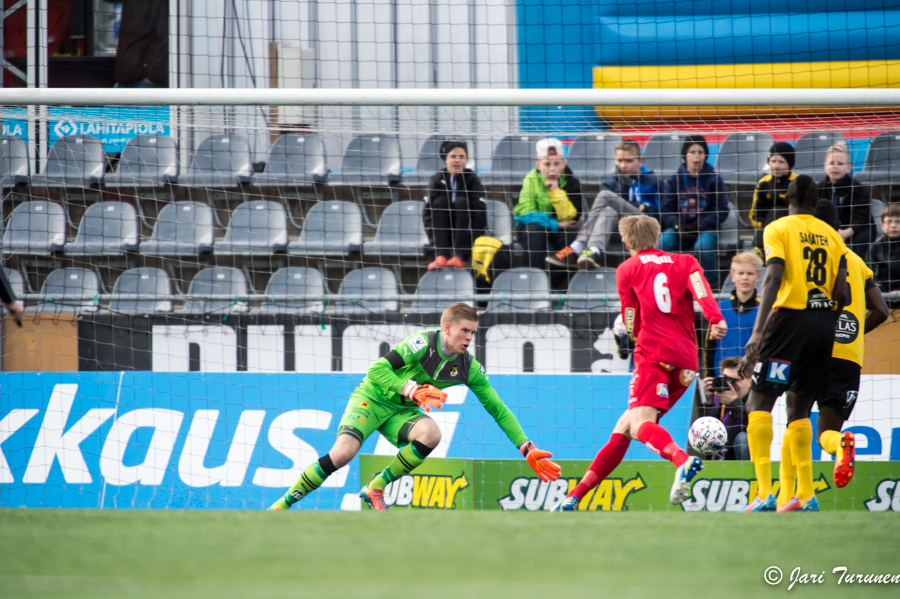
(407, 459)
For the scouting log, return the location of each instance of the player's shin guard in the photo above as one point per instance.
(759, 437)
(407, 459)
(606, 461)
(660, 442)
(801, 448)
(787, 473)
(311, 479)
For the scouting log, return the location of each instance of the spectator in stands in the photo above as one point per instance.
(739, 311)
(725, 397)
(455, 212)
(884, 255)
(851, 198)
(693, 206)
(770, 195)
(548, 209)
(634, 189)
(142, 55)
(8, 297)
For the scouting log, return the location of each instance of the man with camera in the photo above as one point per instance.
(724, 398)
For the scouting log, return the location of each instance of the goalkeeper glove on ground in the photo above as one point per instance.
(537, 459)
(425, 396)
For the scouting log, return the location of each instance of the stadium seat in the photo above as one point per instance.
(35, 228)
(16, 281)
(13, 162)
(330, 229)
(141, 280)
(877, 209)
(810, 152)
(597, 280)
(146, 161)
(882, 166)
(513, 158)
(450, 281)
(181, 229)
(743, 157)
(221, 161)
(74, 161)
(429, 161)
(520, 280)
(107, 229)
(499, 221)
(68, 281)
(593, 157)
(370, 160)
(295, 160)
(294, 280)
(217, 280)
(368, 281)
(728, 231)
(400, 231)
(728, 284)
(257, 228)
(662, 154)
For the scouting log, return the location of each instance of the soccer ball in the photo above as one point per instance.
(708, 435)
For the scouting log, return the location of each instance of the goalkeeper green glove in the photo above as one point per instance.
(537, 459)
(425, 396)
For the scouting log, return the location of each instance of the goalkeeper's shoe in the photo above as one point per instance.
(569, 504)
(681, 488)
(798, 505)
(279, 506)
(762, 505)
(374, 497)
(843, 467)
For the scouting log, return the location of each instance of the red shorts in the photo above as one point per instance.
(657, 385)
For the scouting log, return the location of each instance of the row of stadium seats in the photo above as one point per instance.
(303, 281)
(224, 161)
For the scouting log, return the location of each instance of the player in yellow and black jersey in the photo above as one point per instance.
(790, 346)
(864, 310)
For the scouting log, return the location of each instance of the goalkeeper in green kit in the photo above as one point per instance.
(388, 399)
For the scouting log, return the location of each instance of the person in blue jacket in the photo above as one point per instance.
(739, 311)
(693, 206)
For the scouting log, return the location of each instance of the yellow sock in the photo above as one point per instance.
(787, 473)
(831, 442)
(759, 438)
(801, 448)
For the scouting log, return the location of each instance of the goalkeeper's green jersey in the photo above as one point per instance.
(421, 358)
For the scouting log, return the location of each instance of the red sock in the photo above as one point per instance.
(606, 461)
(660, 442)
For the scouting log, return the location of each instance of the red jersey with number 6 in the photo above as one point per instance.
(657, 290)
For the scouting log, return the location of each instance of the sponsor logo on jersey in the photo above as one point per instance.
(686, 377)
(364, 404)
(697, 282)
(851, 398)
(847, 328)
(779, 372)
(662, 390)
(416, 343)
(454, 371)
(629, 320)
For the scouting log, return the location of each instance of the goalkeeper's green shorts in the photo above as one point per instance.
(364, 416)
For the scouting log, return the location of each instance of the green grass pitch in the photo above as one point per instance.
(231, 554)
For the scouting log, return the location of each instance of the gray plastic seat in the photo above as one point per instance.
(593, 157)
(142, 280)
(73, 161)
(146, 161)
(220, 161)
(68, 281)
(371, 160)
(451, 281)
(499, 221)
(728, 231)
(429, 161)
(16, 281)
(181, 229)
(13, 161)
(368, 281)
(743, 157)
(400, 231)
(520, 280)
(597, 280)
(877, 208)
(810, 152)
(295, 160)
(728, 285)
(107, 229)
(294, 280)
(258, 227)
(217, 280)
(512, 159)
(882, 166)
(662, 154)
(35, 228)
(330, 229)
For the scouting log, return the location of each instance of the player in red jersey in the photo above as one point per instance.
(657, 290)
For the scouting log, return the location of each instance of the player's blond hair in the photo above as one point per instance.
(748, 258)
(639, 232)
(837, 149)
(456, 312)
